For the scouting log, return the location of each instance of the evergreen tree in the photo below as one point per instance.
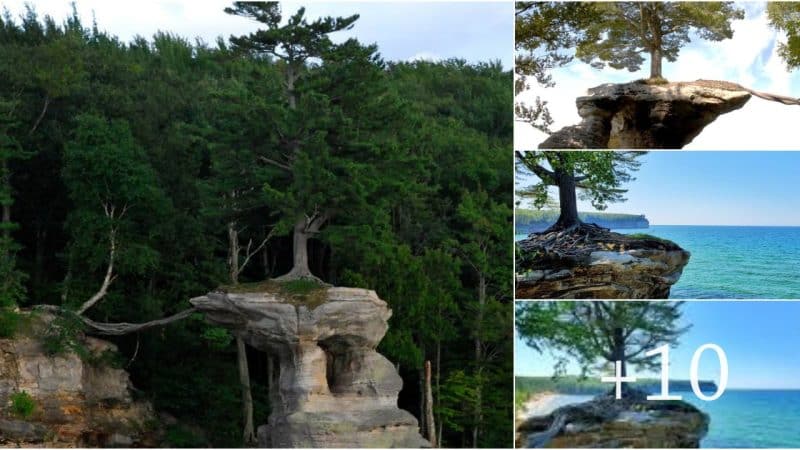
(544, 33)
(598, 176)
(785, 16)
(603, 332)
(626, 30)
(302, 127)
(12, 290)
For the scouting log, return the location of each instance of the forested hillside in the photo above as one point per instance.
(175, 166)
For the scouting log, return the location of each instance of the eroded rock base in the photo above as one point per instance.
(641, 115)
(632, 422)
(328, 385)
(590, 262)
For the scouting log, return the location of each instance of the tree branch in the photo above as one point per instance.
(41, 115)
(109, 278)
(121, 328)
(250, 254)
(278, 164)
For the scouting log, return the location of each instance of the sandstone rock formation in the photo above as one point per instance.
(594, 263)
(78, 403)
(632, 422)
(329, 387)
(641, 115)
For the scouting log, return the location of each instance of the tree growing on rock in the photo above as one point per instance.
(295, 44)
(597, 176)
(602, 331)
(626, 30)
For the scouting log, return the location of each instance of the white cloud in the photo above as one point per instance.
(425, 56)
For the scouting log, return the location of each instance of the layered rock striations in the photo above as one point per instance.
(329, 387)
(632, 422)
(78, 402)
(641, 115)
(594, 263)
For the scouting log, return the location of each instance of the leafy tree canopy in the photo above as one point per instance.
(785, 16)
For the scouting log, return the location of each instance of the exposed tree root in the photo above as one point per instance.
(561, 246)
(295, 275)
(117, 328)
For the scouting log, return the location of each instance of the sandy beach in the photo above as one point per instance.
(543, 403)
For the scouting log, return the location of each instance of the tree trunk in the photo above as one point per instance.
(439, 390)
(248, 434)
(619, 349)
(38, 260)
(423, 423)
(479, 358)
(568, 202)
(300, 251)
(430, 425)
(6, 206)
(656, 53)
(233, 253)
(303, 229)
(655, 63)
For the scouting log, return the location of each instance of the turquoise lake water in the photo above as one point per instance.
(733, 261)
(755, 419)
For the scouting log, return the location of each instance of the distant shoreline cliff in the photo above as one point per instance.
(572, 385)
(532, 221)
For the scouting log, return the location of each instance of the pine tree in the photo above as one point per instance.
(597, 175)
(626, 30)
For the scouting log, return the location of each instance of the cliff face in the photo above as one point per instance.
(77, 403)
(604, 422)
(638, 115)
(594, 263)
(329, 387)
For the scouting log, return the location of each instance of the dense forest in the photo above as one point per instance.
(155, 170)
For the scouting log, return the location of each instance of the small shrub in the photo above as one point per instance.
(9, 323)
(645, 236)
(22, 405)
(63, 336)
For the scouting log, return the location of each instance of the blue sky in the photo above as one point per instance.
(475, 31)
(712, 188)
(760, 338)
(749, 58)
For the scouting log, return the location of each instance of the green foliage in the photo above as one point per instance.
(648, 237)
(544, 34)
(601, 174)
(600, 332)
(63, 335)
(785, 16)
(22, 405)
(179, 436)
(406, 162)
(218, 338)
(9, 323)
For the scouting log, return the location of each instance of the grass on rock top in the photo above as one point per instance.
(649, 237)
(308, 293)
